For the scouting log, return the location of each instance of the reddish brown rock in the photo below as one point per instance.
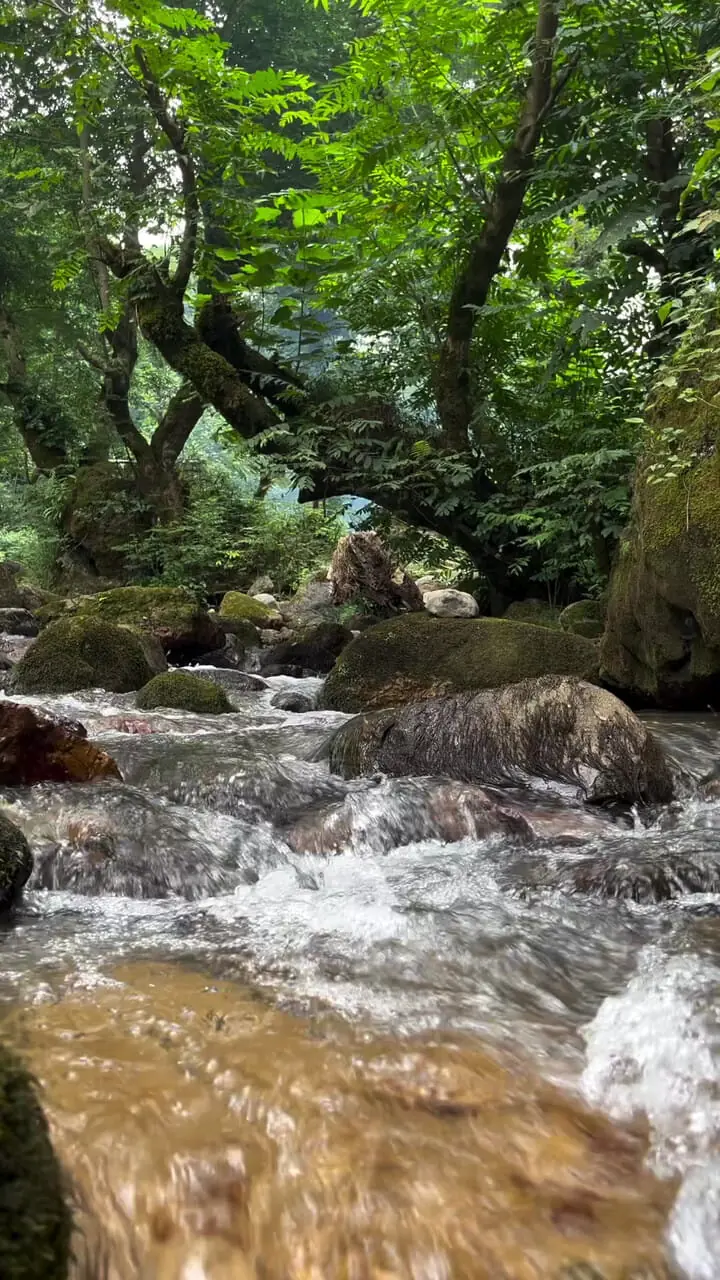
(38, 748)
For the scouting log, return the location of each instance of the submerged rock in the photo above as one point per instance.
(640, 878)
(39, 748)
(404, 811)
(557, 729)
(81, 653)
(314, 650)
(423, 657)
(16, 863)
(449, 603)
(183, 692)
(35, 1221)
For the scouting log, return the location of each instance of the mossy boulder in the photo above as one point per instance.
(35, 1221)
(556, 729)
(244, 632)
(662, 641)
(418, 656)
(585, 618)
(183, 692)
(538, 612)
(82, 653)
(238, 607)
(16, 864)
(173, 615)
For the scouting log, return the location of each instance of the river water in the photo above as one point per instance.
(287, 1031)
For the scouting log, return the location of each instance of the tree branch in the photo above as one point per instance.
(176, 425)
(483, 261)
(176, 136)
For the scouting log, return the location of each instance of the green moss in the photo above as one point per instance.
(241, 608)
(246, 633)
(183, 692)
(147, 608)
(538, 612)
(16, 862)
(584, 618)
(35, 1222)
(81, 653)
(418, 656)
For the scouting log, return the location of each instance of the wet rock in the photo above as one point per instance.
(557, 729)
(13, 648)
(640, 878)
(245, 633)
(183, 692)
(585, 618)
(18, 622)
(229, 679)
(153, 650)
(40, 748)
(292, 700)
(449, 603)
(362, 572)
(126, 843)
(16, 864)
(419, 656)
(173, 615)
(35, 1220)
(82, 653)
(283, 669)
(314, 650)
(402, 812)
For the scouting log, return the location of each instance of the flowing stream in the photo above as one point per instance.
(287, 1031)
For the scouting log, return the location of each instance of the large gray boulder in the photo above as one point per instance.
(558, 729)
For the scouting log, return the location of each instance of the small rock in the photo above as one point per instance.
(18, 622)
(266, 598)
(449, 603)
(293, 700)
(262, 586)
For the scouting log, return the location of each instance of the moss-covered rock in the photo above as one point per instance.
(585, 618)
(538, 612)
(245, 633)
(16, 863)
(35, 1221)
(82, 653)
(418, 656)
(183, 692)
(173, 615)
(238, 607)
(662, 641)
(557, 729)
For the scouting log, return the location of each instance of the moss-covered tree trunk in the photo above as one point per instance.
(662, 645)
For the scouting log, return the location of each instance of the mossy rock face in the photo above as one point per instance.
(183, 692)
(585, 618)
(35, 1222)
(314, 650)
(16, 864)
(173, 615)
(538, 612)
(237, 607)
(417, 656)
(662, 641)
(81, 653)
(245, 632)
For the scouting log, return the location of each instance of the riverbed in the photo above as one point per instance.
(404, 1058)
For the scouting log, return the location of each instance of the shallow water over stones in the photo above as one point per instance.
(215, 954)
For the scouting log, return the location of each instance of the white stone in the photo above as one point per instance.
(450, 603)
(264, 597)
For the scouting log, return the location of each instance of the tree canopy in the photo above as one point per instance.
(428, 254)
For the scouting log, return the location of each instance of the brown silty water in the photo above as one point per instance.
(290, 1028)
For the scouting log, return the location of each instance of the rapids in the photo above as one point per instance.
(404, 1058)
